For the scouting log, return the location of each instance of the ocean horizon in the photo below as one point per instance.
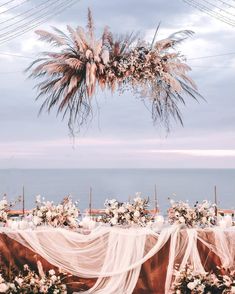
(120, 183)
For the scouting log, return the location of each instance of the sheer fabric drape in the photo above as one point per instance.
(114, 255)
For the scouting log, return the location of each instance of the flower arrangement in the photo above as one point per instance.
(63, 214)
(28, 281)
(201, 215)
(119, 213)
(154, 71)
(4, 208)
(188, 282)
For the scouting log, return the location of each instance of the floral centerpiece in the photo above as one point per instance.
(156, 72)
(188, 282)
(63, 214)
(4, 208)
(126, 213)
(201, 215)
(29, 281)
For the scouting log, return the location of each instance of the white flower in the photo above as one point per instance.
(38, 198)
(113, 221)
(136, 214)
(1, 279)
(53, 278)
(51, 272)
(204, 220)
(172, 202)
(121, 209)
(37, 220)
(181, 219)
(19, 281)
(39, 213)
(48, 214)
(127, 216)
(3, 288)
(116, 214)
(192, 285)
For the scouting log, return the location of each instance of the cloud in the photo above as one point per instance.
(197, 152)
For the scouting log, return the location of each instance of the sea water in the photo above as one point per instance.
(180, 184)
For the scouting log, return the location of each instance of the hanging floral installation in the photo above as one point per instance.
(70, 78)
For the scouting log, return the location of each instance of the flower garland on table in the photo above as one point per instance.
(119, 213)
(188, 282)
(28, 281)
(64, 214)
(201, 215)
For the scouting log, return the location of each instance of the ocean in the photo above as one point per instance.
(179, 184)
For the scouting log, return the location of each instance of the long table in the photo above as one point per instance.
(205, 249)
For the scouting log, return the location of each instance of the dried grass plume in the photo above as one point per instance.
(70, 77)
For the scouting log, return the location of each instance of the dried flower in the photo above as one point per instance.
(155, 72)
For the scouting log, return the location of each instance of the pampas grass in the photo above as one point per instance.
(152, 71)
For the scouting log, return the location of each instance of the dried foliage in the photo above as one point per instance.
(155, 72)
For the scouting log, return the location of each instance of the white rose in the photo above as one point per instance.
(43, 289)
(204, 220)
(178, 292)
(136, 214)
(51, 272)
(53, 278)
(48, 214)
(121, 209)
(113, 221)
(39, 213)
(38, 198)
(182, 219)
(127, 216)
(233, 289)
(191, 285)
(3, 288)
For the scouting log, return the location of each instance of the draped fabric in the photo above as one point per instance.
(121, 260)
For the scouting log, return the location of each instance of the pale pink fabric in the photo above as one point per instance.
(115, 255)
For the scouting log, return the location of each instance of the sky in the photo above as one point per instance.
(122, 134)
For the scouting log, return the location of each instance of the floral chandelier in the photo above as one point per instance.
(154, 72)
